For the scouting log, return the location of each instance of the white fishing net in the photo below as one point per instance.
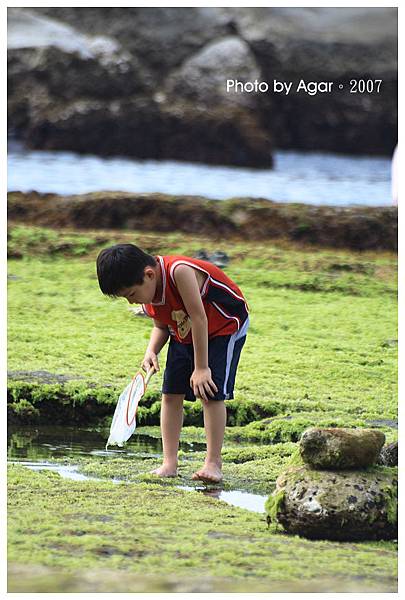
(124, 420)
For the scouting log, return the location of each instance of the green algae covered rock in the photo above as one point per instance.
(339, 448)
(336, 505)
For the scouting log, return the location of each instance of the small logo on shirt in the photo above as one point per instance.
(183, 323)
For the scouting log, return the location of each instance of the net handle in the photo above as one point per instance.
(149, 374)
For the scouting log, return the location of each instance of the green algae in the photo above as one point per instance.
(296, 330)
(39, 579)
(23, 410)
(319, 353)
(390, 494)
(273, 504)
(147, 529)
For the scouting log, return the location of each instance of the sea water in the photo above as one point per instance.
(321, 178)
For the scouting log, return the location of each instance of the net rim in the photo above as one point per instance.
(129, 423)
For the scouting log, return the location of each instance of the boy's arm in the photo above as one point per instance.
(158, 338)
(187, 284)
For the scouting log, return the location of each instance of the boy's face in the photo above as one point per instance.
(143, 293)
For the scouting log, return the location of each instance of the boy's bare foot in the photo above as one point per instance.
(165, 471)
(210, 473)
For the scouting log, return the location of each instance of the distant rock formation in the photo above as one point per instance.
(150, 82)
(328, 44)
(70, 90)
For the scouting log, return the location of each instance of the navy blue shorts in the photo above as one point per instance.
(223, 358)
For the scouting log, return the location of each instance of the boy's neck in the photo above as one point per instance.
(159, 284)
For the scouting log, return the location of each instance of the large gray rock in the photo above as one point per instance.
(203, 76)
(327, 44)
(197, 92)
(55, 72)
(87, 93)
(340, 448)
(161, 37)
(341, 505)
(171, 61)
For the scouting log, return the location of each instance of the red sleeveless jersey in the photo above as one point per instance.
(223, 302)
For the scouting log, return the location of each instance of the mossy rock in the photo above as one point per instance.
(336, 505)
(341, 448)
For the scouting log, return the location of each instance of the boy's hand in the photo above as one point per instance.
(202, 384)
(150, 360)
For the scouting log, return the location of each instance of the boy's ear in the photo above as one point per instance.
(148, 272)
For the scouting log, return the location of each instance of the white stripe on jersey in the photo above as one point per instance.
(230, 290)
(162, 268)
(184, 262)
(209, 278)
(221, 310)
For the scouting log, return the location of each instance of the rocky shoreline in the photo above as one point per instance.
(357, 228)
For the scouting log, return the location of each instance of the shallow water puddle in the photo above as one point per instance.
(67, 471)
(36, 448)
(253, 502)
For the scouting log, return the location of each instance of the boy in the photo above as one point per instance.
(206, 317)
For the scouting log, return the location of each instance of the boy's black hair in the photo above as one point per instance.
(121, 266)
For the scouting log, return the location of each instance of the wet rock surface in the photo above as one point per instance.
(339, 448)
(150, 82)
(389, 455)
(336, 505)
(246, 218)
(382, 423)
(42, 376)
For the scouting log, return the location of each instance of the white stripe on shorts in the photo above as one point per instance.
(229, 354)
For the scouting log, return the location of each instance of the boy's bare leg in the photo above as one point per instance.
(171, 421)
(214, 423)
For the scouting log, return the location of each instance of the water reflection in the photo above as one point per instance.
(36, 448)
(253, 502)
(63, 442)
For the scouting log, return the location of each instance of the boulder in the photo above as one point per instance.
(219, 135)
(68, 63)
(389, 455)
(331, 44)
(202, 77)
(161, 37)
(336, 505)
(339, 448)
(197, 92)
(174, 62)
(88, 93)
